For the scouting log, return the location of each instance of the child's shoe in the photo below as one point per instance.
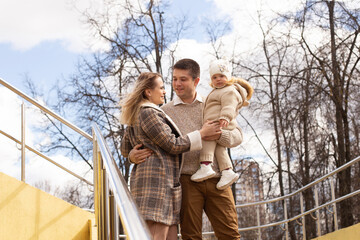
(205, 172)
(228, 177)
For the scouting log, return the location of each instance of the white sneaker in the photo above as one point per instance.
(204, 172)
(228, 177)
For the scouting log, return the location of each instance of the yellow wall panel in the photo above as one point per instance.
(29, 213)
(349, 233)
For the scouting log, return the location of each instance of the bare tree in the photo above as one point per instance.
(136, 36)
(337, 61)
(304, 89)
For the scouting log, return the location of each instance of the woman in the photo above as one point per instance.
(155, 184)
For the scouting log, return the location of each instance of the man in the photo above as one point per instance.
(186, 111)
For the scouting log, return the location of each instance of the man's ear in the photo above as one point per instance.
(196, 81)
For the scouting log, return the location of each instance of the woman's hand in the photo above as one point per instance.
(210, 130)
(138, 155)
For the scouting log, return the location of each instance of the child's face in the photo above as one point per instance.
(218, 80)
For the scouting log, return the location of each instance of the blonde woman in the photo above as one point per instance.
(154, 183)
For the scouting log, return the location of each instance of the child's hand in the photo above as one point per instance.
(223, 123)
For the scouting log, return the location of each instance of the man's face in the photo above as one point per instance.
(184, 85)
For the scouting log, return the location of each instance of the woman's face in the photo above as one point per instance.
(157, 94)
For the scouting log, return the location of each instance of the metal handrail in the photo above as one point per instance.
(45, 109)
(133, 223)
(46, 158)
(352, 162)
(293, 218)
(297, 216)
(111, 195)
(302, 214)
(22, 142)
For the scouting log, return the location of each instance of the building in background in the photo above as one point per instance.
(248, 189)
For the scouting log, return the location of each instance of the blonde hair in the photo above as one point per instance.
(132, 103)
(245, 84)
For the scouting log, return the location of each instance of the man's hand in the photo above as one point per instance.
(138, 155)
(210, 131)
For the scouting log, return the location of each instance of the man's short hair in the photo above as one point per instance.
(188, 64)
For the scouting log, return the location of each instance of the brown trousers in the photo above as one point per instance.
(218, 205)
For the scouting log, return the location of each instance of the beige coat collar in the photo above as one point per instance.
(154, 106)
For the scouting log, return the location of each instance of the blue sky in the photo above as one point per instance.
(50, 60)
(44, 64)
(43, 40)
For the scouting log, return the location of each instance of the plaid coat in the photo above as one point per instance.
(155, 184)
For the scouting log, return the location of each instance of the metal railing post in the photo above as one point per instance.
(111, 179)
(97, 190)
(114, 222)
(258, 221)
(303, 217)
(286, 223)
(106, 204)
(23, 146)
(334, 205)
(317, 211)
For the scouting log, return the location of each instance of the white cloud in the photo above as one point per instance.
(37, 169)
(53, 174)
(24, 24)
(244, 15)
(10, 109)
(247, 10)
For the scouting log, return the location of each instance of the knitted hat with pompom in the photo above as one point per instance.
(220, 66)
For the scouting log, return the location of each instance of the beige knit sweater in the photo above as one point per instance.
(188, 118)
(224, 103)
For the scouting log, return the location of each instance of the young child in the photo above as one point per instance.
(222, 104)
